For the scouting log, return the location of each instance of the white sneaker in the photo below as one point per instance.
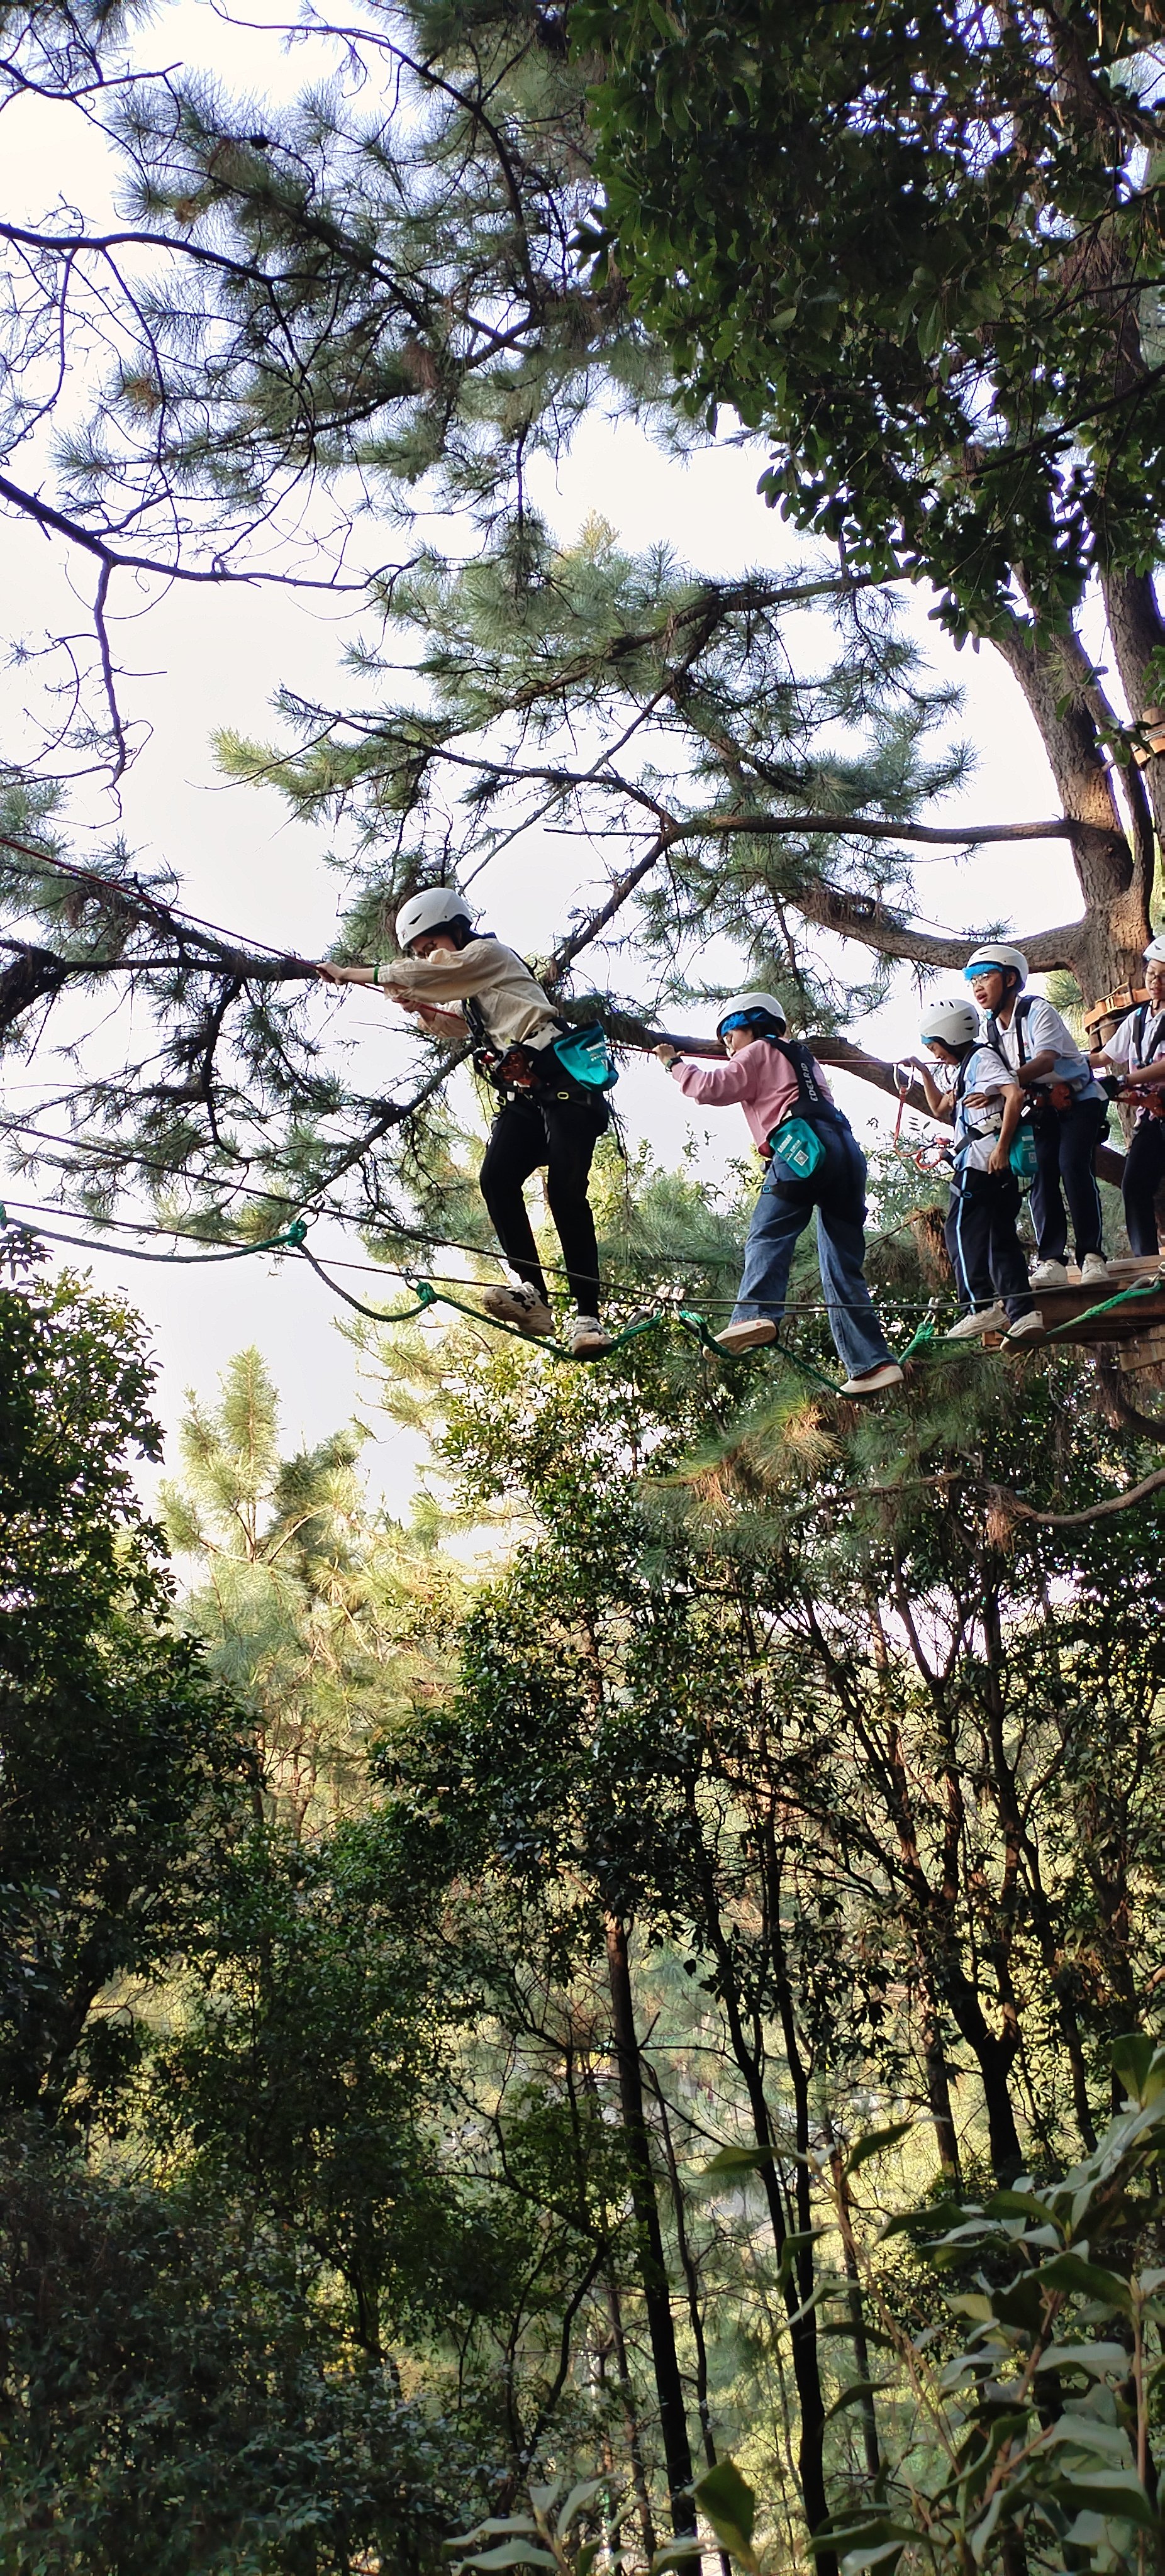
(521, 1305)
(887, 1373)
(1048, 1274)
(986, 1319)
(747, 1335)
(586, 1338)
(1093, 1269)
(1032, 1322)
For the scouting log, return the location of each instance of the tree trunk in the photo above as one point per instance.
(692, 2281)
(802, 2333)
(652, 2268)
(938, 2083)
(857, 2313)
(1062, 693)
(631, 2423)
(1137, 629)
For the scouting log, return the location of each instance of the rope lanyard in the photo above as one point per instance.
(291, 1240)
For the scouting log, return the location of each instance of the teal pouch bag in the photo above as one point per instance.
(586, 1057)
(798, 1146)
(1022, 1156)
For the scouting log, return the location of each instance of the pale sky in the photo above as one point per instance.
(213, 659)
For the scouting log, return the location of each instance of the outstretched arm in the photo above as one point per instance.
(444, 1024)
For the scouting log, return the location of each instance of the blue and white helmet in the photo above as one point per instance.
(995, 954)
(747, 1006)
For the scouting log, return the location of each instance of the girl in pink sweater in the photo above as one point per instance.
(815, 1162)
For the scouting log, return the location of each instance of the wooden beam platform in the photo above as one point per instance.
(1076, 1305)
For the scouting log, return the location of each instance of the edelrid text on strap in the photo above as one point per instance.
(809, 1092)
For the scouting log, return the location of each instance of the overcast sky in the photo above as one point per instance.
(213, 659)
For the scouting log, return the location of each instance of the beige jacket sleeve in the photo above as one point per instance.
(513, 1005)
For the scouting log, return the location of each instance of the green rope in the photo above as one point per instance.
(291, 1240)
(441, 1297)
(1143, 1288)
(928, 1330)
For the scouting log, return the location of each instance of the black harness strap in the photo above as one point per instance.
(1143, 1054)
(1018, 1022)
(810, 1095)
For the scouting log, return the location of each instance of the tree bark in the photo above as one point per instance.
(938, 2083)
(857, 2313)
(652, 2267)
(630, 2420)
(1062, 693)
(1137, 629)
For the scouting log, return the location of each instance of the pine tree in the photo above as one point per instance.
(378, 293)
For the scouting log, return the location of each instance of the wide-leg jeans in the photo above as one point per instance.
(837, 1191)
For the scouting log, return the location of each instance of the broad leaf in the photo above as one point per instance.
(727, 2501)
(876, 2143)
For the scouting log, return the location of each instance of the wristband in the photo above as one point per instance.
(376, 971)
(673, 1060)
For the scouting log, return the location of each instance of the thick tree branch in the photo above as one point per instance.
(1010, 1504)
(874, 827)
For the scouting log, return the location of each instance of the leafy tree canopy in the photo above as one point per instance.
(924, 249)
(125, 1774)
(369, 308)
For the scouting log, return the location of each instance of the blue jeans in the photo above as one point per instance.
(838, 1192)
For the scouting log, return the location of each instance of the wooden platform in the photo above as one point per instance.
(1142, 1320)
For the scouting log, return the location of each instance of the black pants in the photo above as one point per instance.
(1066, 1142)
(562, 1134)
(1143, 1174)
(986, 1253)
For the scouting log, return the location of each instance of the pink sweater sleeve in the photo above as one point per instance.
(732, 1080)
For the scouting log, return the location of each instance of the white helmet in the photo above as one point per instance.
(433, 909)
(1155, 953)
(956, 1023)
(996, 953)
(742, 1005)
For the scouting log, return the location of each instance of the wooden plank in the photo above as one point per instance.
(1077, 1305)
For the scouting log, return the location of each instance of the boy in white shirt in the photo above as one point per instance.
(1069, 1114)
(1136, 1050)
(980, 1230)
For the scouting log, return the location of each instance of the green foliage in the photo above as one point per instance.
(1029, 2442)
(316, 1614)
(125, 1773)
(170, 2406)
(913, 248)
(722, 702)
(768, 1765)
(305, 2081)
